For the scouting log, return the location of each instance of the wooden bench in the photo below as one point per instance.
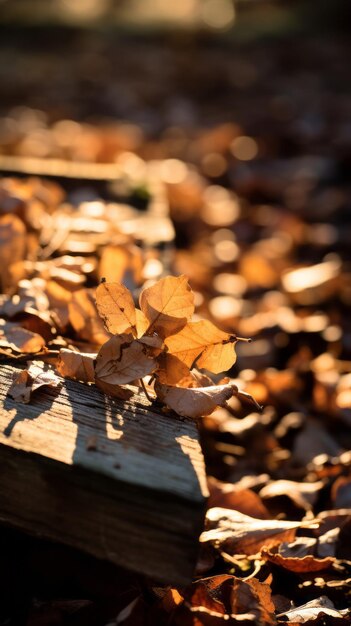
(123, 481)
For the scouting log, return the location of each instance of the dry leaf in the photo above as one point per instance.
(171, 370)
(203, 343)
(194, 402)
(20, 339)
(28, 380)
(84, 317)
(12, 247)
(122, 360)
(302, 495)
(120, 261)
(228, 599)
(236, 533)
(77, 365)
(299, 565)
(315, 612)
(116, 307)
(252, 596)
(142, 323)
(232, 496)
(167, 305)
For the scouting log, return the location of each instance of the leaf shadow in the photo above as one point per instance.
(42, 400)
(170, 323)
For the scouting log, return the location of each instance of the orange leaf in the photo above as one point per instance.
(116, 307)
(84, 317)
(28, 380)
(237, 533)
(77, 365)
(12, 247)
(171, 370)
(194, 402)
(19, 339)
(306, 564)
(122, 360)
(202, 342)
(167, 305)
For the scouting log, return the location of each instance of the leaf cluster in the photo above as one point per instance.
(157, 340)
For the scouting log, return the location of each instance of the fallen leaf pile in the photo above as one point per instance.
(248, 154)
(157, 340)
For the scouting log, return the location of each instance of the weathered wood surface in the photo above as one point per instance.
(120, 480)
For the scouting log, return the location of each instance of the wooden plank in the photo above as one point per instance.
(136, 499)
(59, 168)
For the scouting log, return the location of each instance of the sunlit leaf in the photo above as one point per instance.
(116, 307)
(305, 564)
(194, 402)
(237, 533)
(84, 317)
(29, 380)
(315, 612)
(77, 365)
(13, 246)
(202, 342)
(122, 360)
(167, 305)
(19, 339)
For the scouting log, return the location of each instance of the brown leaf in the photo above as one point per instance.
(315, 612)
(122, 360)
(12, 247)
(168, 305)
(84, 317)
(203, 343)
(194, 402)
(237, 533)
(252, 596)
(28, 380)
(303, 495)
(20, 339)
(117, 261)
(308, 563)
(226, 598)
(170, 369)
(142, 323)
(76, 365)
(31, 296)
(230, 496)
(116, 307)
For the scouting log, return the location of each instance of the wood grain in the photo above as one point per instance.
(121, 480)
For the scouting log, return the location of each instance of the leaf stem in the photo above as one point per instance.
(142, 384)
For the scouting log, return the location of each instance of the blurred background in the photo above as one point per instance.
(228, 124)
(212, 138)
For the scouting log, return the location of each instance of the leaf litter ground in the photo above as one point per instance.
(265, 243)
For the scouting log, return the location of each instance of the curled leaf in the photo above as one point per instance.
(306, 564)
(202, 342)
(84, 317)
(116, 307)
(76, 365)
(26, 381)
(19, 339)
(237, 533)
(315, 612)
(12, 248)
(168, 305)
(122, 360)
(171, 370)
(194, 402)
